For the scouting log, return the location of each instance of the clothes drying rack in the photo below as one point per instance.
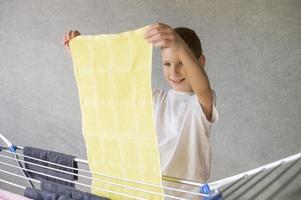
(232, 187)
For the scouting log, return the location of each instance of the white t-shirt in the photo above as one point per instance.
(183, 136)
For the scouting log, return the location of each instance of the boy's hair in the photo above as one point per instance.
(191, 39)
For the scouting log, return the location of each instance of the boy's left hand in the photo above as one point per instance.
(162, 35)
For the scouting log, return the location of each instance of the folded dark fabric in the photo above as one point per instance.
(61, 190)
(44, 195)
(39, 194)
(51, 156)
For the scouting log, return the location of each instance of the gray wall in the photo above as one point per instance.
(253, 51)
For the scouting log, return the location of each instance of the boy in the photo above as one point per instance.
(184, 114)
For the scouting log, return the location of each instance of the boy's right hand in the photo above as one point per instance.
(67, 37)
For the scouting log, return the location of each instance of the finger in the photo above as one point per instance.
(154, 32)
(160, 37)
(66, 39)
(76, 33)
(157, 25)
(152, 28)
(72, 35)
(162, 44)
(68, 36)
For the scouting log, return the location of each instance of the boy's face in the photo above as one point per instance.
(174, 72)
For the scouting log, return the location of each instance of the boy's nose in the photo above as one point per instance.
(176, 70)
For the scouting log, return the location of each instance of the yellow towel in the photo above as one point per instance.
(113, 74)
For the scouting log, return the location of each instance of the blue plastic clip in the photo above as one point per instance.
(205, 189)
(13, 148)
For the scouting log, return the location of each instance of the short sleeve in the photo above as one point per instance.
(200, 112)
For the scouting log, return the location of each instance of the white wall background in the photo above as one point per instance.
(253, 51)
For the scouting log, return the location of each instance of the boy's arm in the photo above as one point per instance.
(197, 78)
(163, 36)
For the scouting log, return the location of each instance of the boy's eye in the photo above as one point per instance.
(167, 64)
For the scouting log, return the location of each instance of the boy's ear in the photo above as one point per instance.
(202, 60)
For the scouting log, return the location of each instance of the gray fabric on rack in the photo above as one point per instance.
(69, 192)
(44, 195)
(39, 194)
(51, 156)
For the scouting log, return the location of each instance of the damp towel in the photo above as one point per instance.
(69, 192)
(113, 74)
(53, 191)
(41, 195)
(51, 156)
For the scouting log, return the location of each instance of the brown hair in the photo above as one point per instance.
(191, 39)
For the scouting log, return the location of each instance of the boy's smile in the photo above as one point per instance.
(173, 71)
